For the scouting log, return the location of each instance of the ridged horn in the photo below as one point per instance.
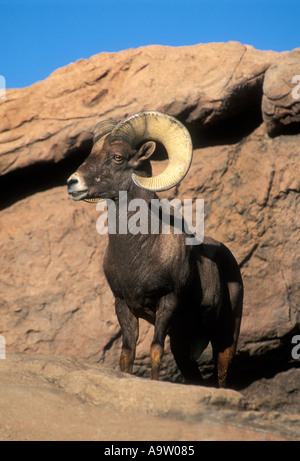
(157, 126)
(103, 128)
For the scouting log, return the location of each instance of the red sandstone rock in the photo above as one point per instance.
(48, 120)
(54, 298)
(281, 98)
(54, 398)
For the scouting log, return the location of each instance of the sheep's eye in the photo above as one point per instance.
(118, 158)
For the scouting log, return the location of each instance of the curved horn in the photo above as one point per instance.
(103, 128)
(156, 126)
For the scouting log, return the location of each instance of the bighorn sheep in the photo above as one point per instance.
(192, 293)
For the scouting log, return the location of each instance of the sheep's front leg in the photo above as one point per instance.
(164, 313)
(130, 332)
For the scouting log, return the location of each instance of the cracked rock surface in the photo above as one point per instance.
(52, 118)
(281, 98)
(54, 398)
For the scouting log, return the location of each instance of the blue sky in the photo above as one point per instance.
(38, 36)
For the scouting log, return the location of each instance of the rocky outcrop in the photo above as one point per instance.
(54, 398)
(281, 98)
(54, 298)
(49, 120)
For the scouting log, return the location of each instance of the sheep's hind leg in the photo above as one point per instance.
(225, 338)
(166, 308)
(223, 359)
(130, 332)
(182, 355)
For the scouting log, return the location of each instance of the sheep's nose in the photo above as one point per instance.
(72, 182)
(76, 187)
(72, 179)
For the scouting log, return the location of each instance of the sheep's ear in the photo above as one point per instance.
(145, 152)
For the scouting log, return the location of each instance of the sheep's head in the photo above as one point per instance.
(121, 153)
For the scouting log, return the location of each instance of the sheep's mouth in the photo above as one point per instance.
(82, 195)
(78, 191)
(92, 200)
(78, 195)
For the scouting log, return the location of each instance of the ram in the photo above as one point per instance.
(193, 293)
